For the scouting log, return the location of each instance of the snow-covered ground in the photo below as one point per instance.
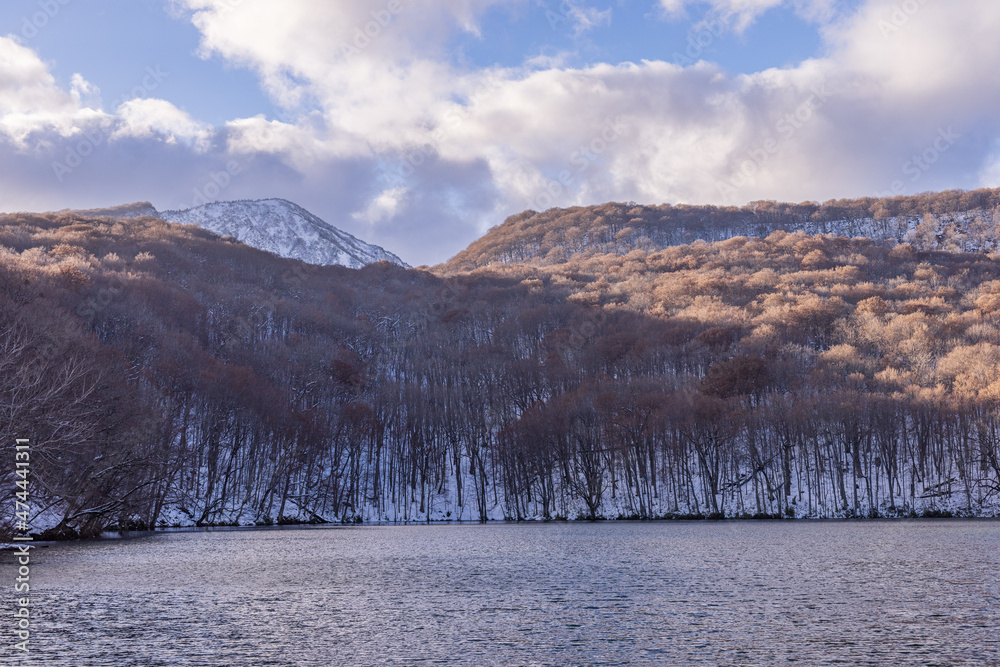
(283, 228)
(954, 231)
(943, 500)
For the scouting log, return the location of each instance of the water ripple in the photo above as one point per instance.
(741, 593)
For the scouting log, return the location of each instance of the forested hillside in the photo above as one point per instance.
(166, 375)
(953, 220)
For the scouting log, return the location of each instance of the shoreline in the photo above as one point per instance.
(160, 530)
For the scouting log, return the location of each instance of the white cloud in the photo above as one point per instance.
(385, 206)
(301, 144)
(146, 118)
(31, 102)
(36, 113)
(585, 18)
(84, 93)
(740, 14)
(392, 96)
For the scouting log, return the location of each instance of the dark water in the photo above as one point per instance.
(741, 593)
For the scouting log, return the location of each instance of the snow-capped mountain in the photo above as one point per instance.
(283, 228)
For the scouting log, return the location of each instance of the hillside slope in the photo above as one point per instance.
(170, 376)
(954, 220)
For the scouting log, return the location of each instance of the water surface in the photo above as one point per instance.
(675, 593)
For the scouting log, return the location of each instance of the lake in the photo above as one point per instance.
(918, 592)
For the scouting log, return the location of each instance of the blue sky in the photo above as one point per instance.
(452, 115)
(111, 42)
(636, 31)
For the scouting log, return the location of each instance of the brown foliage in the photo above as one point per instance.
(949, 220)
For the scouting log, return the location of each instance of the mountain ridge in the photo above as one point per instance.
(954, 219)
(133, 210)
(274, 225)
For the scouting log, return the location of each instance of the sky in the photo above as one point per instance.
(419, 124)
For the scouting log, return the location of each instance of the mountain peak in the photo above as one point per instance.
(283, 228)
